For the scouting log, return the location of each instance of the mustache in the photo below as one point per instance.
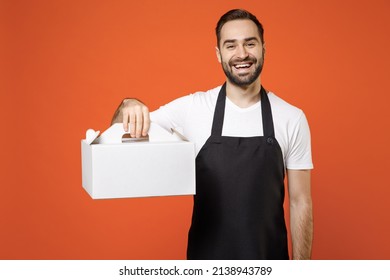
(245, 60)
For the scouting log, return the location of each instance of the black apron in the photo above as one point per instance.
(238, 207)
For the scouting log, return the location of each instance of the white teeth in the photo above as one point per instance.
(242, 65)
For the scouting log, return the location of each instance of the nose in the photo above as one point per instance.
(241, 52)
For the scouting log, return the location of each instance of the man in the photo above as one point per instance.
(245, 139)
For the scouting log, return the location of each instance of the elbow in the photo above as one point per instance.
(301, 203)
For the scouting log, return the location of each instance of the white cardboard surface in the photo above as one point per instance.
(164, 166)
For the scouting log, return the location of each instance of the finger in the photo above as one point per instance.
(125, 121)
(132, 124)
(146, 121)
(139, 122)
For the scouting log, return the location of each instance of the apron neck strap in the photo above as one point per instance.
(268, 123)
(219, 113)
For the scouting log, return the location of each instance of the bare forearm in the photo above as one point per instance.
(301, 219)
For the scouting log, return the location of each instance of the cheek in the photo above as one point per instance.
(226, 62)
(227, 59)
(256, 56)
(260, 54)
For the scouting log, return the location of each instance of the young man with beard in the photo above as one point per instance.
(246, 138)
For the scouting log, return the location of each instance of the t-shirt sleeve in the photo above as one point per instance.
(299, 148)
(173, 114)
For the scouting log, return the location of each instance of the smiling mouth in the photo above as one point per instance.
(242, 65)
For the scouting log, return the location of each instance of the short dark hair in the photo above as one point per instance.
(234, 15)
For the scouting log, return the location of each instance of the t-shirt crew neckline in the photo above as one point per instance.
(242, 110)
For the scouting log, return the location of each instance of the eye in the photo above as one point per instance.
(230, 47)
(251, 44)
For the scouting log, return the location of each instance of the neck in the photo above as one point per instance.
(244, 96)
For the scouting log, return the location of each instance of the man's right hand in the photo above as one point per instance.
(136, 119)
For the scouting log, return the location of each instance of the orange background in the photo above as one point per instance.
(66, 65)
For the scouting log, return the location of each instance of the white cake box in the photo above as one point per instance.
(163, 165)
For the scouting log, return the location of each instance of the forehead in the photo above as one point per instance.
(239, 30)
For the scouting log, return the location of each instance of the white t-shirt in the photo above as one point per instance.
(193, 114)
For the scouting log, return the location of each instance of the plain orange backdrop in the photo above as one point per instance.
(66, 65)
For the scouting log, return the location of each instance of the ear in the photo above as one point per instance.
(218, 53)
(264, 48)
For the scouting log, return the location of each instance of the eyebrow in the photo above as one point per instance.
(234, 40)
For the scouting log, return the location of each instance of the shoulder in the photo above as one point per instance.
(283, 105)
(197, 99)
(289, 120)
(207, 95)
(206, 99)
(284, 110)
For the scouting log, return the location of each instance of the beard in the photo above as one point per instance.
(244, 80)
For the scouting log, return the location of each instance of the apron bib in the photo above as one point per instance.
(238, 207)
